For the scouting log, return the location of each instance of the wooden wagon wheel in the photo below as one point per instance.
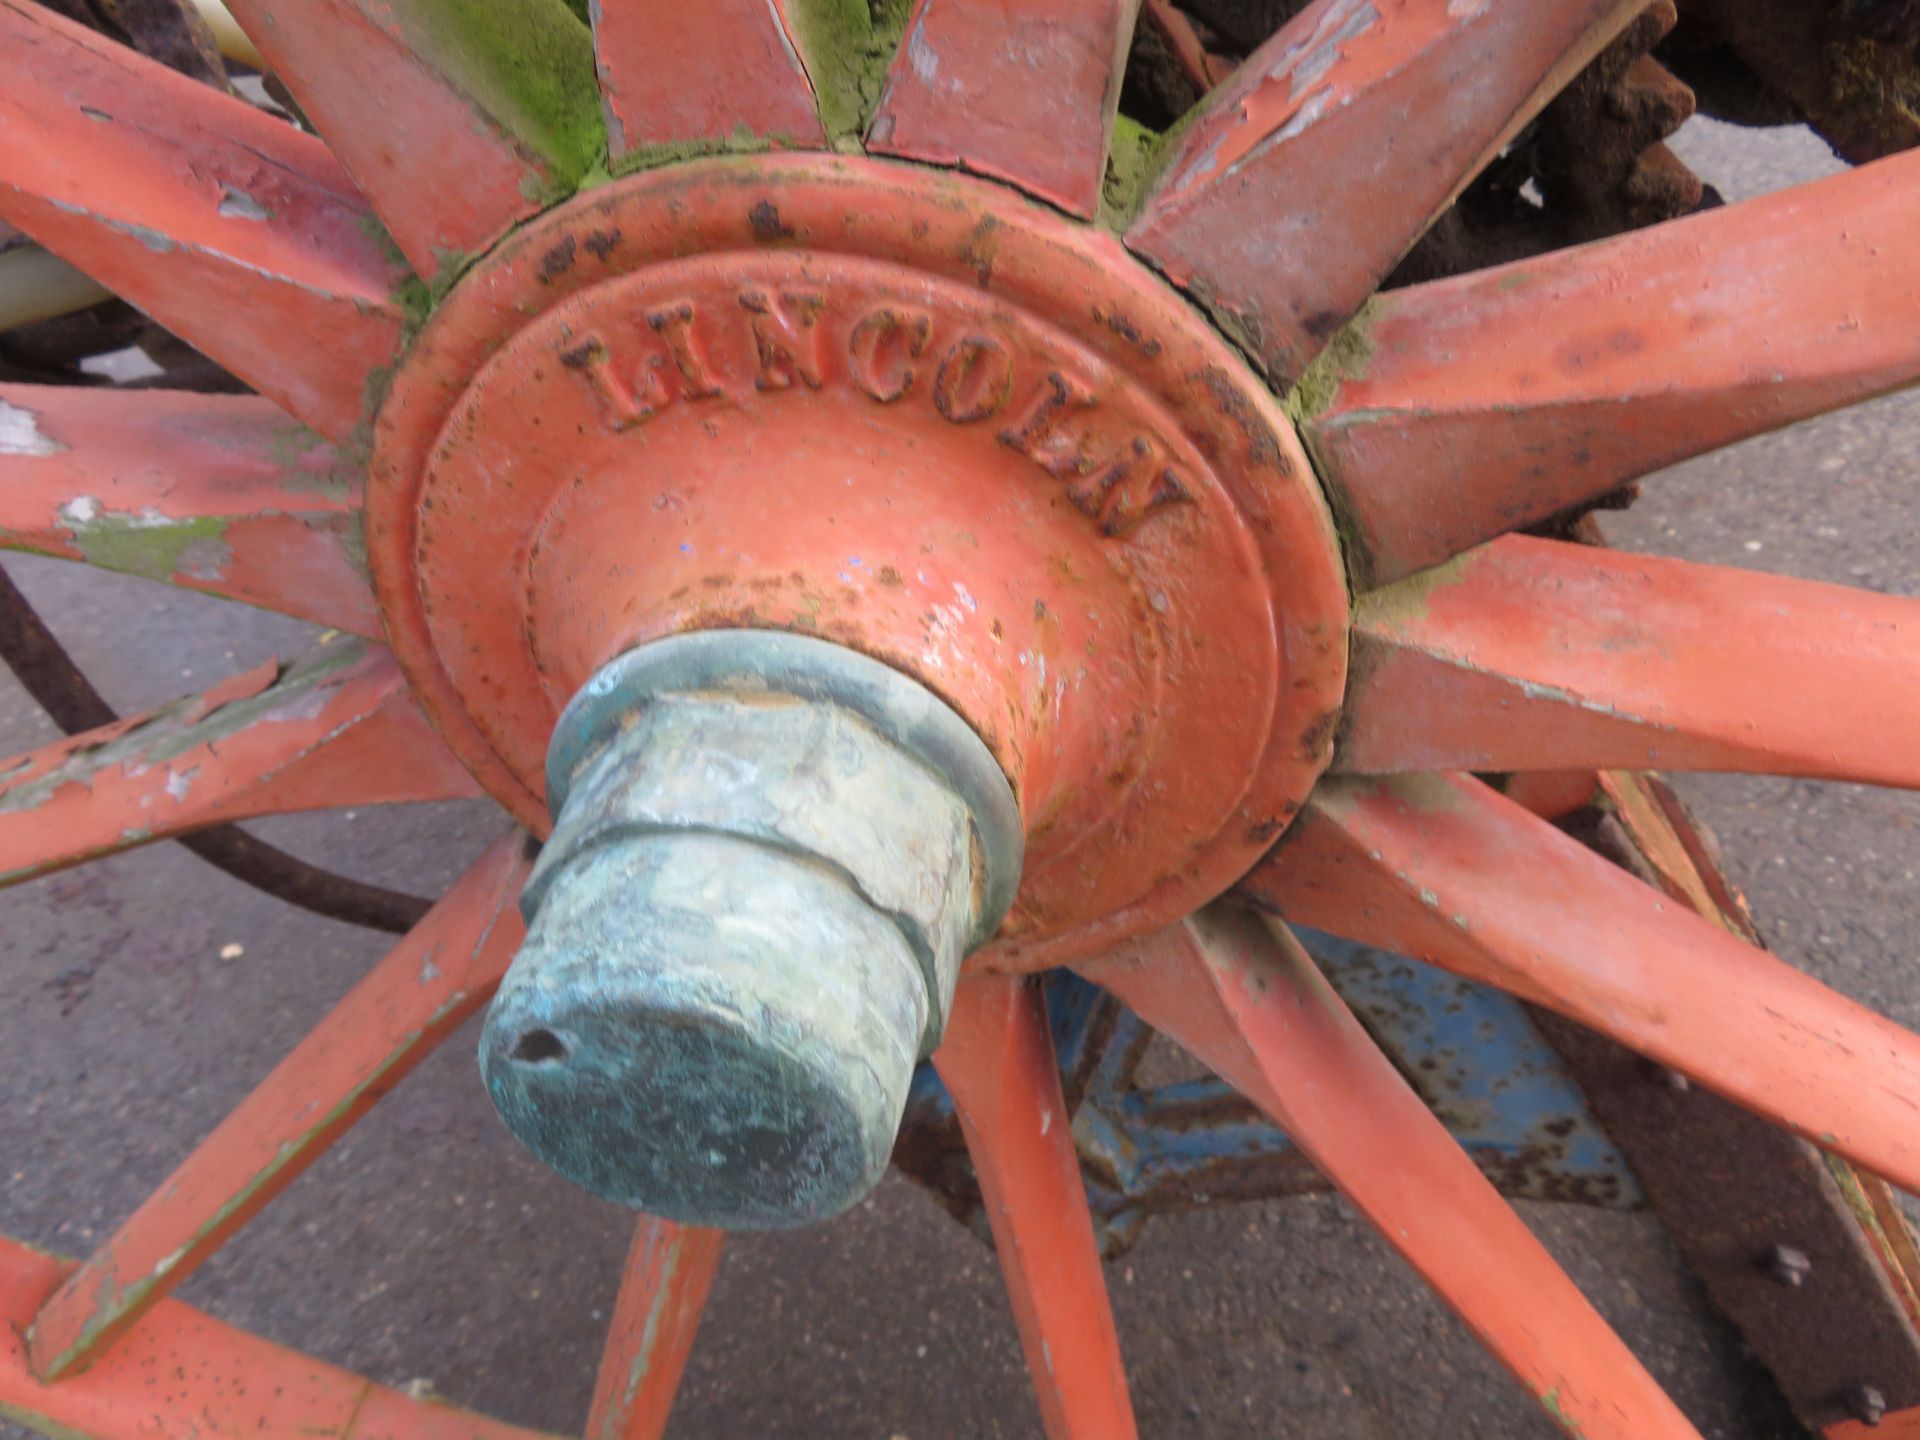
(628, 349)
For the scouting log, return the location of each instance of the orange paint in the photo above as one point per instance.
(1537, 654)
(285, 504)
(694, 75)
(1895, 1425)
(1443, 869)
(910, 414)
(1023, 93)
(432, 140)
(936, 421)
(234, 230)
(420, 993)
(1246, 999)
(1306, 176)
(340, 730)
(670, 1270)
(1484, 403)
(998, 1064)
(184, 1373)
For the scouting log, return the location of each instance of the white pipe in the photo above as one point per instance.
(37, 285)
(227, 34)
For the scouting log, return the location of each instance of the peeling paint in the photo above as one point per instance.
(148, 543)
(201, 720)
(20, 434)
(1550, 1402)
(237, 204)
(921, 55)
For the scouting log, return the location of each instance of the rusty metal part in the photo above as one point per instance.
(769, 856)
(1168, 69)
(1243, 24)
(1591, 165)
(1176, 31)
(174, 32)
(1851, 71)
(47, 673)
(1264, 168)
(1177, 1144)
(1780, 1233)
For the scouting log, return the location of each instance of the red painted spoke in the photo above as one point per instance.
(1301, 182)
(1444, 869)
(1176, 32)
(1025, 93)
(670, 1269)
(456, 120)
(663, 90)
(233, 229)
(1536, 655)
(218, 493)
(441, 973)
(183, 1373)
(1243, 996)
(997, 1062)
(1474, 406)
(338, 728)
(1897, 1425)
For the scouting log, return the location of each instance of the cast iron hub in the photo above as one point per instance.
(916, 416)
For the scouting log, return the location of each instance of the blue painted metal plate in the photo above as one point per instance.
(1470, 1051)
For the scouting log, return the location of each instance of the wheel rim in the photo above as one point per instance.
(1439, 419)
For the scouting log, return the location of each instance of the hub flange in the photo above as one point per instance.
(907, 412)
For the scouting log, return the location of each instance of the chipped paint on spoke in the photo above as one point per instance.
(335, 728)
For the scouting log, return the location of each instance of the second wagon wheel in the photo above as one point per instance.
(892, 533)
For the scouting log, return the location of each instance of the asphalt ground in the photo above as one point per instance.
(141, 996)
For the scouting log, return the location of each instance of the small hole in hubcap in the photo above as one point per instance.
(536, 1047)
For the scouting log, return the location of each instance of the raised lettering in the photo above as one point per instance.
(1040, 436)
(1129, 485)
(622, 403)
(786, 337)
(674, 325)
(882, 348)
(974, 381)
(1109, 466)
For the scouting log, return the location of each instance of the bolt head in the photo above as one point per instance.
(1790, 1267)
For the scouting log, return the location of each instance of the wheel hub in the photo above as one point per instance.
(770, 856)
(913, 415)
